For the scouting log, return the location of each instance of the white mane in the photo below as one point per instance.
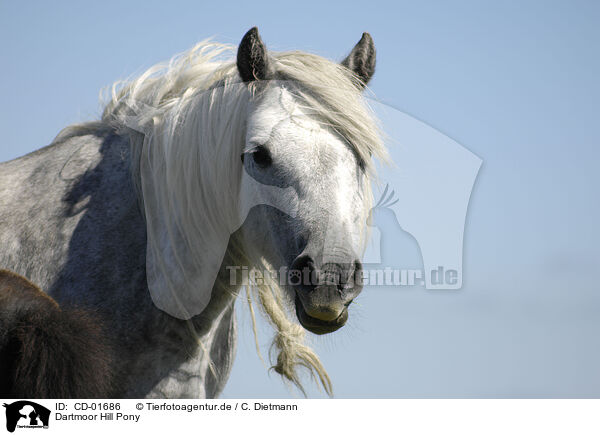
(186, 119)
(329, 90)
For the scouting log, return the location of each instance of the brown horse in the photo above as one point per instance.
(48, 351)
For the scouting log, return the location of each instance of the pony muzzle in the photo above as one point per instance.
(324, 294)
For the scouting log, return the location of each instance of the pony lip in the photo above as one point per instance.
(318, 326)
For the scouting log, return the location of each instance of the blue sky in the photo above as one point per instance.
(514, 82)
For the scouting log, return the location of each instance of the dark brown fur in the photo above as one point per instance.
(47, 351)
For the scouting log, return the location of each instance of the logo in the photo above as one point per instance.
(26, 414)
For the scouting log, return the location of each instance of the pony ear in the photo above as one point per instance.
(361, 60)
(252, 57)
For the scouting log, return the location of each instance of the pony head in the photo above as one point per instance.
(308, 131)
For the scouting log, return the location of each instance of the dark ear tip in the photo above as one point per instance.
(252, 32)
(366, 41)
(361, 59)
(250, 36)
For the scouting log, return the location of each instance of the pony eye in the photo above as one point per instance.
(262, 157)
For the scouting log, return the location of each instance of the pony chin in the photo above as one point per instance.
(319, 326)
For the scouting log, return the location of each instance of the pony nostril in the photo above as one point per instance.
(305, 267)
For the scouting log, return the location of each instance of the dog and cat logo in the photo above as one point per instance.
(25, 414)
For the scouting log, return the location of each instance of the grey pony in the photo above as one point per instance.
(71, 222)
